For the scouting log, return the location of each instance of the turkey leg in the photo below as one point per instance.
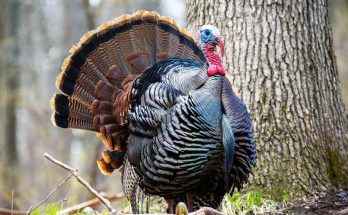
(170, 208)
(189, 198)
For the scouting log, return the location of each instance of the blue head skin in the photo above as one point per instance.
(207, 35)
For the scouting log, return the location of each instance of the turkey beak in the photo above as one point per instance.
(221, 44)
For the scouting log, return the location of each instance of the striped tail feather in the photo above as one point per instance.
(70, 113)
(110, 161)
(97, 77)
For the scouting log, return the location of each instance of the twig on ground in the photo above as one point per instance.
(32, 208)
(74, 172)
(93, 203)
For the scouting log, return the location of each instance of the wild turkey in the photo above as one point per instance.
(161, 104)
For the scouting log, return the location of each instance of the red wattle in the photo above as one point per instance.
(214, 59)
(214, 69)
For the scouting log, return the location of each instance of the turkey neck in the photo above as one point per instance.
(209, 51)
(214, 83)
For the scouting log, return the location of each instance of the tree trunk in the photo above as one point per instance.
(281, 57)
(9, 40)
(11, 85)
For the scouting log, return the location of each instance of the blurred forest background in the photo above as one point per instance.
(35, 36)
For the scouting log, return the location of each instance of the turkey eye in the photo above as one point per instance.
(207, 33)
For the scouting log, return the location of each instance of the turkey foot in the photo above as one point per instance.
(189, 199)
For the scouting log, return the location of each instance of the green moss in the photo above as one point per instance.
(285, 196)
(337, 167)
(252, 202)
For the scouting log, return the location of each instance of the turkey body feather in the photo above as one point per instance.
(141, 83)
(193, 132)
(186, 133)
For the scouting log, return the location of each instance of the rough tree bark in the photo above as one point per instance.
(281, 56)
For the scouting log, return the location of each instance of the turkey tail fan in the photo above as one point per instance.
(97, 77)
(117, 49)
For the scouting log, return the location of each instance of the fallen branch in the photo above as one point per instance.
(93, 203)
(74, 172)
(32, 208)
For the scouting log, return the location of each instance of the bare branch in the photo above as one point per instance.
(90, 203)
(32, 208)
(61, 164)
(74, 172)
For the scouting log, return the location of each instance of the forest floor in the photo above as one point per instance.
(332, 202)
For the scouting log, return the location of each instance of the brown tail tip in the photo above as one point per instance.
(110, 161)
(104, 167)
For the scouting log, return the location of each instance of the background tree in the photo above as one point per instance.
(9, 83)
(281, 56)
